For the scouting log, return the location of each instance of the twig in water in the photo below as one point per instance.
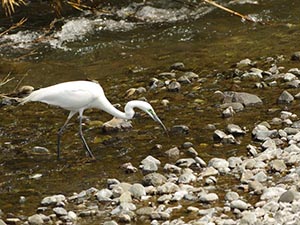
(14, 26)
(244, 17)
(6, 79)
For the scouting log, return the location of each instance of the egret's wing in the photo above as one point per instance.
(71, 97)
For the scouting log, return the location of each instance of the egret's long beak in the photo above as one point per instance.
(155, 118)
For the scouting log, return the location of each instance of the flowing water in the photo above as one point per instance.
(122, 51)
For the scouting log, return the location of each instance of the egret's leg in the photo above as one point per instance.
(82, 138)
(60, 132)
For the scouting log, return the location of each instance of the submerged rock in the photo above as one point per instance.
(116, 124)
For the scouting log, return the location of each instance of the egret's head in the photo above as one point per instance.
(147, 108)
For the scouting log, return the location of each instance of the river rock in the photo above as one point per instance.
(52, 200)
(285, 97)
(172, 168)
(210, 197)
(154, 179)
(145, 211)
(228, 112)
(262, 133)
(236, 106)
(180, 129)
(221, 165)
(231, 196)
(129, 168)
(272, 192)
(185, 162)
(116, 124)
(239, 204)
(244, 63)
(112, 222)
(187, 176)
(192, 152)
(35, 219)
(137, 191)
(248, 218)
(219, 135)
(177, 66)
(60, 211)
(125, 197)
(150, 164)
(167, 188)
(287, 196)
(173, 152)
(295, 56)
(174, 86)
(104, 195)
(256, 187)
(200, 161)
(209, 171)
(278, 165)
(235, 129)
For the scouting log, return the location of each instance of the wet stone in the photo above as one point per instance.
(59, 211)
(145, 211)
(285, 97)
(116, 124)
(239, 204)
(187, 145)
(235, 129)
(177, 66)
(221, 165)
(200, 161)
(210, 197)
(256, 186)
(174, 86)
(219, 135)
(137, 191)
(172, 168)
(53, 199)
(160, 216)
(180, 129)
(278, 165)
(236, 106)
(154, 179)
(228, 112)
(125, 197)
(287, 196)
(209, 171)
(173, 152)
(168, 75)
(187, 176)
(167, 188)
(35, 219)
(231, 196)
(150, 164)
(185, 162)
(129, 168)
(112, 222)
(191, 151)
(295, 56)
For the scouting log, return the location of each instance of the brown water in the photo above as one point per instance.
(119, 61)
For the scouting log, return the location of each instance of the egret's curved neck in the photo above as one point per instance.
(106, 106)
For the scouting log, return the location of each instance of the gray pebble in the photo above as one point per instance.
(239, 204)
(210, 197)
(112, 222)
(173, 152)
(185, 162)
(51, 200)
(154, 179)
(60, 211)
(285, 97)
(287, 196)
(231, 196)
(235, 129)
(137, 191)
(35, 219)
(167, 188)
(180, 129)
(172, 168)
(177, 66)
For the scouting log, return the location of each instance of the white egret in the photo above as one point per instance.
(76, 96)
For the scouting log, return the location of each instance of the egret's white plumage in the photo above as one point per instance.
(76, 96)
